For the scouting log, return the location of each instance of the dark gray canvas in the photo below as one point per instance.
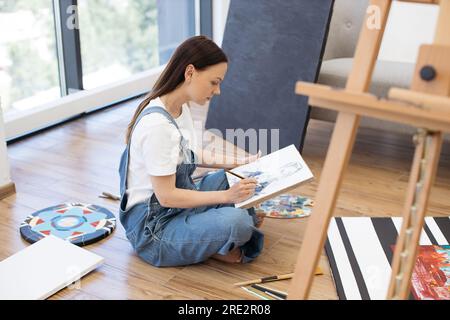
(270, 45)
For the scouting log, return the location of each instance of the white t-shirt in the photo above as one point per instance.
(155, 150)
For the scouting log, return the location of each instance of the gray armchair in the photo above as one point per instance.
(346, 23)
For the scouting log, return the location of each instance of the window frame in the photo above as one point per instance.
(68, 46)
(74, 100)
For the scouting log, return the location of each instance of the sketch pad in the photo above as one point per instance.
(44, 268)
(276, 173)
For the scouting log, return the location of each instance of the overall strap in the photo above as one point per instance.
(126, 155)
(164, 112)
(156, 109)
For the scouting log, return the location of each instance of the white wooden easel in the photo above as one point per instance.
(426, 106)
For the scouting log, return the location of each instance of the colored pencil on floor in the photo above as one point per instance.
(277, 294)
(258, 293)
(273, 278)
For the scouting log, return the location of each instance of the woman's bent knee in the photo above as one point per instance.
(240, 224)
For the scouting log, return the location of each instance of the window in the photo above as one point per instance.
(28, 64)
(120, 38)
(53, 48)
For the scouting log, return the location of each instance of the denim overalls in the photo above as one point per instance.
(175, 236)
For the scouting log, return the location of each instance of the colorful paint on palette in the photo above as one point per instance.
(287, 206)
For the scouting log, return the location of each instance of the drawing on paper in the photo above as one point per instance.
(274, 172)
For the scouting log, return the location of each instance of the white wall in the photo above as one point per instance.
(409, 25)
(5, 177)
(220, 12)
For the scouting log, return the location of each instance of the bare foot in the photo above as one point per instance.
(260, 215)
(234, 256)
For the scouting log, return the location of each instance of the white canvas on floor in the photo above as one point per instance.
(276, 173)
(44, 268)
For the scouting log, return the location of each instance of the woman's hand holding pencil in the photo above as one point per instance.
(241, 190)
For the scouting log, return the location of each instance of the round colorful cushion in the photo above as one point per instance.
(79, 223)
(287, 206)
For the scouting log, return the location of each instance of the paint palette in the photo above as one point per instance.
(287, 206)
(79, 223)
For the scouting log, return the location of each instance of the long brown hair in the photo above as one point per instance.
(199, 51)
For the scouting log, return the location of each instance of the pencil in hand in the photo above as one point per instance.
(239, 176)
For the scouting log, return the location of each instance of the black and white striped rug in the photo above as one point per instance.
(360, 252)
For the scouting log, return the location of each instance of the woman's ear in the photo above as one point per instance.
(189, 72)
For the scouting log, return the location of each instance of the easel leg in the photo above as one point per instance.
(426, 160)
(339, 152)
(336, 161)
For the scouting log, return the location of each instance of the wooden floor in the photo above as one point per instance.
(78, 160)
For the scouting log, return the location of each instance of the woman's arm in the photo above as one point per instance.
(170, 196)
(207, 159)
